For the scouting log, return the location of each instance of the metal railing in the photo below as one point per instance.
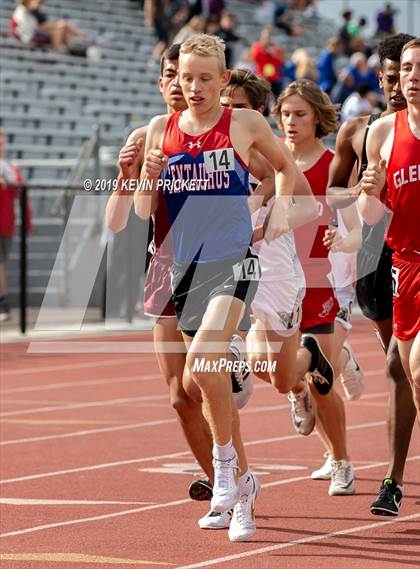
(23, 244)
(89, 158)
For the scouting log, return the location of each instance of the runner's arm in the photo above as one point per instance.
(339, 195)
(146, 198)
(119, 204)
(373, 182)
(305, 207)
(351, 242)
(261, 169)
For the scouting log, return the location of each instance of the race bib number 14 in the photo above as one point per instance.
(248, 270)
(219, 160)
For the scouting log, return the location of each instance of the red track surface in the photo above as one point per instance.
(88, 428)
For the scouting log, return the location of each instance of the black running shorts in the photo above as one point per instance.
(374, 284)
(195, 285)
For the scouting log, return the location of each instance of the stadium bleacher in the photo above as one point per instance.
(51, 102)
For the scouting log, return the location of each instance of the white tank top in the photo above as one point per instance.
(343, 265)
(278, 259)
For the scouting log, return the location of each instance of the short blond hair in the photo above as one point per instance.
(325, 111)
(415, 42)
(206, 45)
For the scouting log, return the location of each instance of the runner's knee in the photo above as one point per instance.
(394, 366)
(183, 405)
(197, 367)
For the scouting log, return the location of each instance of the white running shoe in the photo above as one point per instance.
(323, 473)
(216, 520)
(226, 484)
(243, 526)
(303, 416)
(242, 383)
(352, 377)
(342, 478)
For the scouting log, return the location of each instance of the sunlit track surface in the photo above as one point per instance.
(95, 473)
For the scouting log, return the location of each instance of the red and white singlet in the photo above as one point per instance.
(403, 235)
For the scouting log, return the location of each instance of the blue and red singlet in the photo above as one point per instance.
(205, 186)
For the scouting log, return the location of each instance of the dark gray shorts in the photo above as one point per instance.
(5, 246)
(195, 285)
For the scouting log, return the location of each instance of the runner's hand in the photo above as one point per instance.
(332, 240)
(276, 223)
(374, 178)
(258, 234)
(154, 163)
(130, 159)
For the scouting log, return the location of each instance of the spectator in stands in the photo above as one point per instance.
(195, 8)
(305, 67)
(385, 25)
(9, 176)
(300, 66)
(284, 21)
(245, 61)
(343, 88)
(226, 31)
(277, 14)
(361, 72)
(196, 25)
(358, 103)
(301, 5)
(34, 26)
(281, 18)
(157, 18)
(344, 34)
(265, 12)
(326, 68)
(268, 59)
(212, 26)
(289, 71)
(357, 72)
(213, 8)
(165, 17)
(362, 28)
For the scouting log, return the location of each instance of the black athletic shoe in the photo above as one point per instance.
(388, 502)
(201, 490)
(321, 370)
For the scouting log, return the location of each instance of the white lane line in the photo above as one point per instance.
(101, 363)
(162, 505)
(94, 518)
(85, 432)
(81, 383)
(357, 468)
(370, 354)
(366, 340)
(101, 347)
(159, 457)
(37, 401)
(88, 404)
(71, 367)
(302, 541)
(41, 502)
(125, 379)
(88, 432)
(96, 467)
(128, 346)
(291, 437)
